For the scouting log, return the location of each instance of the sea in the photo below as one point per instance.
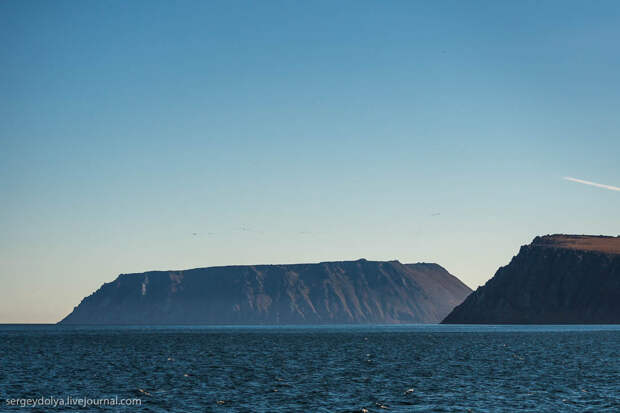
(377, 368)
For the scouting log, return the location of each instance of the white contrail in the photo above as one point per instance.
(581, 181)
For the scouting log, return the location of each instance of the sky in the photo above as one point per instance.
(149, 135)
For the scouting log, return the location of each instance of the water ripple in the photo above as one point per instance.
(318, 369)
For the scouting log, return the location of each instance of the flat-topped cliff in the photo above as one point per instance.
(555, 279)
(330, 292)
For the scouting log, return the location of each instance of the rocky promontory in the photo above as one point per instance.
(557, 279)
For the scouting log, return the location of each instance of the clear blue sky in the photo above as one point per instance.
(289, 131)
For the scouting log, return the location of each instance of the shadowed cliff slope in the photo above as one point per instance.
(329, 292)
(556, 279)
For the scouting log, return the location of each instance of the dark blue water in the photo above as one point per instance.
(316, 369)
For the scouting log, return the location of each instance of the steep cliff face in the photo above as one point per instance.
(330, 292)
(556, 279)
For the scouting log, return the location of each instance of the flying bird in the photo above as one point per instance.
(247, 229)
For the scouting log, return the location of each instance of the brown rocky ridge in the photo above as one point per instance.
(557, 279)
